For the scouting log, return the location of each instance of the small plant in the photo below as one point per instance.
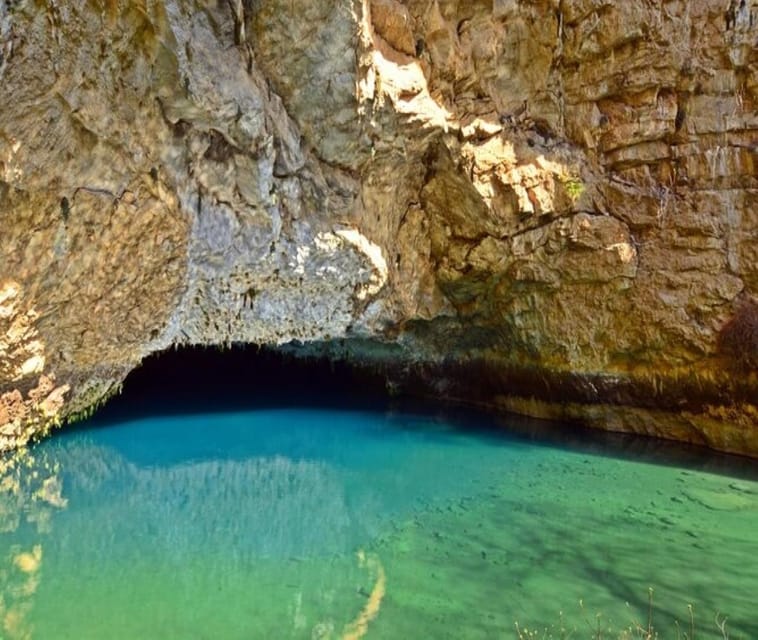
(599, 629)
(721, 626)
(574, 188)
(545, 634)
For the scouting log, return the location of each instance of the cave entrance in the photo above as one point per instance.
(210, 380)
(206, 379)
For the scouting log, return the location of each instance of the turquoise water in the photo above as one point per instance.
(326, 523)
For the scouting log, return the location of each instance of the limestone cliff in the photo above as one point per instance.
(548, 206)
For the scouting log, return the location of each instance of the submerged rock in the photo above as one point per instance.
(547, 207)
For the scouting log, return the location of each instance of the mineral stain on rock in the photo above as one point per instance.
(552, 192)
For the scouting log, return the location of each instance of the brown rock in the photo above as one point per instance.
(546, 191)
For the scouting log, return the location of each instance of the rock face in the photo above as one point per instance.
(549, 207)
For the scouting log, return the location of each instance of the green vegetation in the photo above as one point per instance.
(574, 188)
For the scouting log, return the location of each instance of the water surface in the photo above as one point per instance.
(272, 522)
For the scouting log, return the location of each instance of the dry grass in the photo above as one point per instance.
(597, 628)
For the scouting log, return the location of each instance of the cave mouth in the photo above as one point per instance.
(244, 378)
(191, 379)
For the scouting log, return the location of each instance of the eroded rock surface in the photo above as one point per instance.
(546, 206)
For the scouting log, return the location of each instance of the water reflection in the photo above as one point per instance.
(324, 524)
(266, 506)
(112, 525)
(30, 493)
(30, 490)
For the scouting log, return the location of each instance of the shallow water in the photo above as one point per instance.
(324, 523)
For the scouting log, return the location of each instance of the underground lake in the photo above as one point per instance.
(233, 497)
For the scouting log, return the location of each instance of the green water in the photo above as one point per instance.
(301, 523)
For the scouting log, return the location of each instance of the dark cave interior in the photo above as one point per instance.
(245, 378)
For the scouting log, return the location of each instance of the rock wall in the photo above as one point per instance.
(546, 206)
